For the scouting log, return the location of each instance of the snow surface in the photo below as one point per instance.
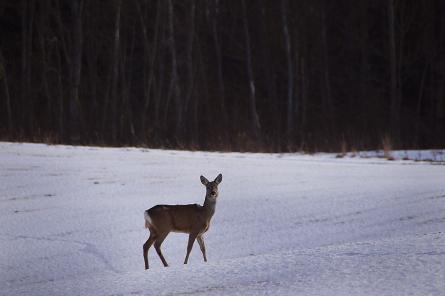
(433, 155)
(72, 223)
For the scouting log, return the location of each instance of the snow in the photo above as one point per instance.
(72, 223)
(432, 155)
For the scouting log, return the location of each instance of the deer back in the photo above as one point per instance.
(178, 218)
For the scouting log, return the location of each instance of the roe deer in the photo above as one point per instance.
(193, 219)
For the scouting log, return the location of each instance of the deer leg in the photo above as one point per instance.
(147, 246)
(200, 240)
(158, 244)
(192, 238)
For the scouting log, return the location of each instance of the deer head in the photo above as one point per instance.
(211, 187)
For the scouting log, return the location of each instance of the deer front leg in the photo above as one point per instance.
(192, 238)
(200, 240)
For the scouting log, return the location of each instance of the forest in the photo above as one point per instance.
(248, 75)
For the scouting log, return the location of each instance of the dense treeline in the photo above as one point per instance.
(226, 75)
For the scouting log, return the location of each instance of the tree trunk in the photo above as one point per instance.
(24, 55)
(63, 48)
(92, 121)
(255, 122)
(419, 108)
(28, 8)
(221, 86)
(189, 57)
(127, 131)
(75, 124)
(268, 64)
(364, 67)
(327, 106)
(394, 98)
(304, 99)
(115, 72)
(151, 63)
(43, 17)
(439, 108)
(61, 95)
(160, 85)
(176, 90)
(290, 122)
(4, 78)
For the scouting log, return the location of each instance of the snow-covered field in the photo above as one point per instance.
(72, 223)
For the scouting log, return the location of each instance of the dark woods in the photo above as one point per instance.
(224, 75)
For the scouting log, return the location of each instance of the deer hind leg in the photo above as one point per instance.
(202, 246)
(192, 238)
(158, 244)
(147, 246)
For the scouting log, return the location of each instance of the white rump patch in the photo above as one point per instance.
(147, 219)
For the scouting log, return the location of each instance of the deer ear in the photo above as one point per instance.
(204, 181)
(218, 179)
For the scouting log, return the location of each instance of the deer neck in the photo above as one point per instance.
(209, 206)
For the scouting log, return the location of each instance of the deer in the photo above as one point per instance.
(193, 219)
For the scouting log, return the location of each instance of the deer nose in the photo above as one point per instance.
(213, 193)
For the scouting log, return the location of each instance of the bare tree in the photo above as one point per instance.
(28, 12)
(152, 50)
(290, 122)
(174, 83)
(394, 95)
(439, 110)
(190, 63)
(76, 65)
(62, 57)
(4, 79)
(115, 70)
(91, 62)
(41, 27)
(327, 106)
(255, 122)
(221, 85)
(364, 66)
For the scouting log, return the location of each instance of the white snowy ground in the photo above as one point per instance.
(72, 223)
(436, 156)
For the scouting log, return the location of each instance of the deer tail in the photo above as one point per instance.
(147, 219)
